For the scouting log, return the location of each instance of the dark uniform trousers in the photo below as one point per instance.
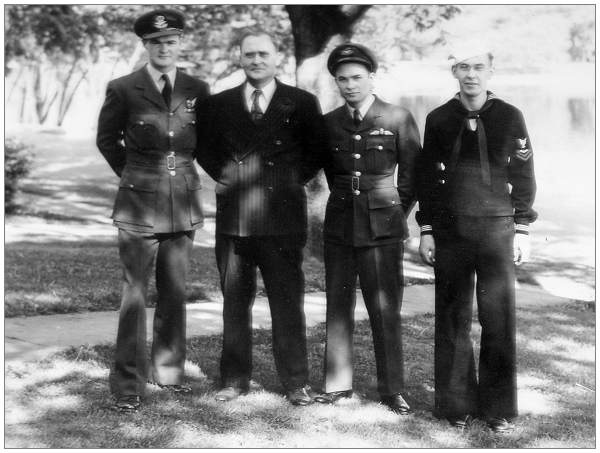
(279, 259)
(365, 224)
(137, 251)
(149, 145)
(380, 271)
(467, 246)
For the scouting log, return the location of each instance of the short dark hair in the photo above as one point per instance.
(257, 31)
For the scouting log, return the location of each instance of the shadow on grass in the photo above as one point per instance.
(64, 401)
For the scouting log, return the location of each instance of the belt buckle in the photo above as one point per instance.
(171, 161)
(355, 183)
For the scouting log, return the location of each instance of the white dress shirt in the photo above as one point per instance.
(156, 75)
(265, 97)
(364, 108)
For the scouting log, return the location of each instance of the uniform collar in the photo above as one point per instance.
(363, 109)
(155, 74)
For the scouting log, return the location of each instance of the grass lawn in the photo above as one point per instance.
(63, 401)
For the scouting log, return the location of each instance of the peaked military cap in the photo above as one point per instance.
(160, 22)
(351, 53)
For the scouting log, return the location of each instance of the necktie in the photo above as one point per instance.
(256, 112)
(167, 89)
(356, 117)
(481, 140)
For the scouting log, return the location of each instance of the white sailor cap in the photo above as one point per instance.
(463, 50)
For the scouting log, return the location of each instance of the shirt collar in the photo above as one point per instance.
(267, 91)
(363, 109)
(155, 74)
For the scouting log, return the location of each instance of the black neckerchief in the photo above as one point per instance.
(481, 137)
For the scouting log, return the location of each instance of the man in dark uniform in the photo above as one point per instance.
(372, 143)
(147, 133)
(261, 142)
(475, 146)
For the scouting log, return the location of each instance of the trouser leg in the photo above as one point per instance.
(129, 374)
(380, 272)
(168, 345)
(280, 263)
(496, 303)
(454, 363)
(340, 282)
(238, 283)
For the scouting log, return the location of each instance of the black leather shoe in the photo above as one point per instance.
(462, 422)
(128, 403)
(332, 397)
(500, 425)
(229, 393)
(176, 388)
(396, 404)
(299, 396)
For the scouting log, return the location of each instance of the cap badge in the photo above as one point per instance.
(347, 51)
(160, 22)
(522, 142)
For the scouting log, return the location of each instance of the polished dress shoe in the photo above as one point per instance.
(500, 425)
(299, 396)
(128, 403)
(461, 422)
(229, 393)
(396, 404)
(333, 397)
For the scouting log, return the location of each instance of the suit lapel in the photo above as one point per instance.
(145, 83)
(280, 107)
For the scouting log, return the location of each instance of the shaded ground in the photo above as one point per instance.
(63, 401)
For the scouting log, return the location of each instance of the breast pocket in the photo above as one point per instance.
(143, 134)
(136, 199)
(380, 153)
(386, 217)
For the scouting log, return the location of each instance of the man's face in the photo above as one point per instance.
(354, 81)
(473, 75)
(258, 58)
(163, 51)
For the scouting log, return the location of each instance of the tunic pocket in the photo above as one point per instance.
(194, 187)
(136, 199)
(144, 134)
(380, 153)
(386, 217)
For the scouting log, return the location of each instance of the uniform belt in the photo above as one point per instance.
(169, 161)
(350, 183)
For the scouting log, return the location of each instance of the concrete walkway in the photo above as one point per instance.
(32, 338)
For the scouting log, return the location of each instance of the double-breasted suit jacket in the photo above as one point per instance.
(370, 172)
(261, 168)
(142, 139)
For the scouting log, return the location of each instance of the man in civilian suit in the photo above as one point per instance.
(261, 142)
(147, 133)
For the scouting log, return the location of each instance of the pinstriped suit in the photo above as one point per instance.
(261, 221)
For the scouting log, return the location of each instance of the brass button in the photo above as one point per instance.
(240, 162)
(193, 121)
(141, 123)
(270, 164)
(172, 173)
(442, 181)
(357, 137)
(442, 166)
(356, 156)
(379, 147)
(270, 188)
(171, 133)
(131, 186)
(337, 148)
(393, 201)
(171, 113)
(356, 173)
(278, 142)
(356, 192)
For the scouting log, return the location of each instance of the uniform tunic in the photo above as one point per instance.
(471, 205)
(370, 172)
